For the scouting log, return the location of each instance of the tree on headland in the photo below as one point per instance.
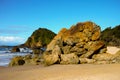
(111, 36)
(40, 38)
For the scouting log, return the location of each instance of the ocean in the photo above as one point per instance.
(6, 56)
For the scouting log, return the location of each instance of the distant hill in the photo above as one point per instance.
(40, 38)
(5, 46)
(111, 36)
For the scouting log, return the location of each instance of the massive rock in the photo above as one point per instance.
(51, 57)
(79, 44)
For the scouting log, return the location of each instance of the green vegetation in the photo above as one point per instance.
(111, 36)
(40, 38)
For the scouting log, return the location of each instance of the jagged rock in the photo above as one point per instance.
(94, 45)
(27, 59)
(35, 59)
(52, 57)
(103, 57)
(78, 51)
(87, 54)
(66, 49)
(15, 49)
(18, 60)
(86, 60)
(69, 59)
(81, 43)
(96, 33)
(104, 50)
(57, 40)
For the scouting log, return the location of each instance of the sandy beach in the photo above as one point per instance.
(62, 72)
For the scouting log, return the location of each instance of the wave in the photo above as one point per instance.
(4, 63)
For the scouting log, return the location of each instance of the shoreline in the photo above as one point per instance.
(62, 72)
(110, 49)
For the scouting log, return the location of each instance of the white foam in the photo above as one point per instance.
(4, 63)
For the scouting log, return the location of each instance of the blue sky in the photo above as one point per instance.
(19, 18)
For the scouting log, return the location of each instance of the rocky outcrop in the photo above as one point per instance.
(79, 44)
(18, 60)
(27, 59)
(52, 57)
(15, 49)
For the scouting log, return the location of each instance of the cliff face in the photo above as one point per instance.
(40, 38)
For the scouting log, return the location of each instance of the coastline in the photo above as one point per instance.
(63, 72)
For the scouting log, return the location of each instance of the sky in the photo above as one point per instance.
(19, 18)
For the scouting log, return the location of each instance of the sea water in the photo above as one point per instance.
(6, 56)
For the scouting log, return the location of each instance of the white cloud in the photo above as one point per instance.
(11, 40)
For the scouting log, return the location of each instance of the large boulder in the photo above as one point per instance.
(79, 44)
(103, 57)
(69, 59)
(51, 57)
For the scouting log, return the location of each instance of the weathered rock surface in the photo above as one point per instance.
(18, 60)
(69, 59)
(27, 59)
(52, 56)
(79, 44)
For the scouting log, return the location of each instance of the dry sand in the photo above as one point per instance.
(62, 72)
